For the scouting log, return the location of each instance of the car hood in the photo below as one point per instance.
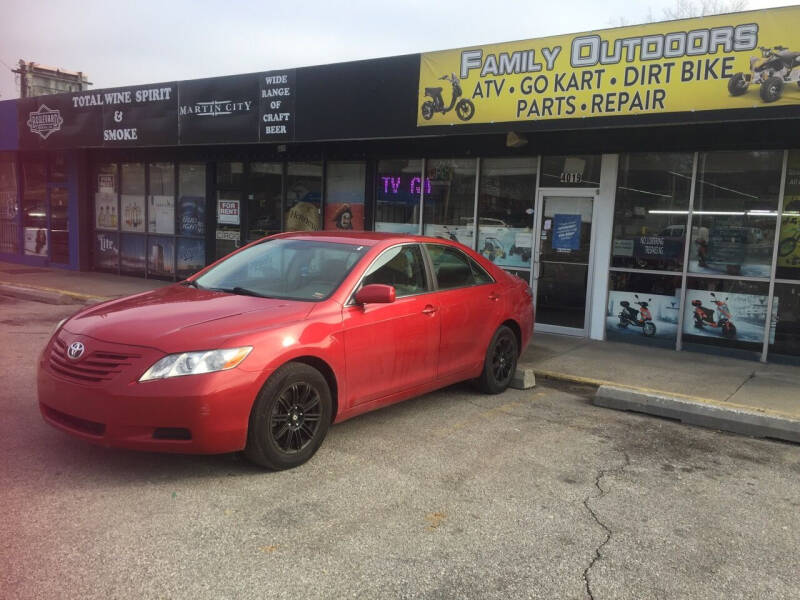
(180, 318)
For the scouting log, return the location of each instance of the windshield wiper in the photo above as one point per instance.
(241, 291)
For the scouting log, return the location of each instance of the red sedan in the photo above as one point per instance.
(267, 347)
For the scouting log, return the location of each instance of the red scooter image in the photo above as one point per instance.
(464, 107)
(638, 318)
(704, 317)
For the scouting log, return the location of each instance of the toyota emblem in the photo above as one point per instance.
(75, 350)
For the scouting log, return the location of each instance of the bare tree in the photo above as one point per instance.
(684, 9)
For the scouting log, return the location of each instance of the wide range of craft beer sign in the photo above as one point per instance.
(738, 60)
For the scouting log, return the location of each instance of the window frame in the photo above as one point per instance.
(470, 261)
(429, 279)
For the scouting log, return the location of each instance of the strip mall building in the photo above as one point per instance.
(645, 180)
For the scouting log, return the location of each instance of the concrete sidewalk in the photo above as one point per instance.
(747, 397)
(59, 286)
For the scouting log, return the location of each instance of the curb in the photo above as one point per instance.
(47, 295)
(701, 411)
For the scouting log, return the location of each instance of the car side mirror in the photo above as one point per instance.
(375, 293)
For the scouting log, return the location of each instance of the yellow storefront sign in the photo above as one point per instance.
(741, 60)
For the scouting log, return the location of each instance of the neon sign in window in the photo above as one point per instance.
(394, 185)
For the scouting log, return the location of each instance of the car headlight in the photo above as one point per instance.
(194, 363)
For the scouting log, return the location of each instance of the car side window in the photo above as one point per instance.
(454, 269)
(401, 267)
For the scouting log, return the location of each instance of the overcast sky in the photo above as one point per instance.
(128, 43)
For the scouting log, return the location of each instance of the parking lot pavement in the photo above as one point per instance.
(528, 494)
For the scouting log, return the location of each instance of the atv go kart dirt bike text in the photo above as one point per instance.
(776, 67)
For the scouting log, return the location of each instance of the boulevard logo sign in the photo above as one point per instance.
(216, 108)
(44, 121)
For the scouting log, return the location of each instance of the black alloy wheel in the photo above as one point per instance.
(295, 417)
(500, 363)
(289, 418)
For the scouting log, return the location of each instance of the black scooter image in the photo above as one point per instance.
(630, 316)
(464, 107)
(777, 65)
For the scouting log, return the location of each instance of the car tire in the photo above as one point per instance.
(500, 363)
(289, 418)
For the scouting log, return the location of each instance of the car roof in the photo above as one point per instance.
(363, 238)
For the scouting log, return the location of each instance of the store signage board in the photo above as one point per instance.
(277, 106)
(670, 67)
(219, 110)
(119, 117)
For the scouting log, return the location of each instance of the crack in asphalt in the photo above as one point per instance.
(597, 552)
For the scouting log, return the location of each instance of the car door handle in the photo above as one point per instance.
(429, 310)
(494, 297)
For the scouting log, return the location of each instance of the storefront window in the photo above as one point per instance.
(303, 196)
(450, 205)
(505, 212)
(9, 228)
(726, 313)
(733, 226)
(132, 198)
(651, 211)
(785, 335)
(643, 308)
(106, 223)
(58, 168)
(264, 199)
(161, 257)
(571, 171)
(132, 255)
(398, 192)
(161, 199)
(34, 206)
(190, 256)
(191, 199)
(344, 196)
(789, 240)
(59, 224)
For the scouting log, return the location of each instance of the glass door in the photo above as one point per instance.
(59, 225)
(562, 261)
(264, 191)
(230, 188)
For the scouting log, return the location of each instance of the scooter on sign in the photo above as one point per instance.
(464, 107)
(704, 316)
(638, 318)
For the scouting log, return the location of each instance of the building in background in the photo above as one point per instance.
(40, 80)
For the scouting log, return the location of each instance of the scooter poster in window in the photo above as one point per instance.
(727, 316)
(632, 316)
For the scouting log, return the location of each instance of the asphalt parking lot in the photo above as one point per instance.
(534, 494)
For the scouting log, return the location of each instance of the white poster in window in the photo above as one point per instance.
(105, 210)
(132, 212)
(161, 214)
(35, 241)
(228, 212)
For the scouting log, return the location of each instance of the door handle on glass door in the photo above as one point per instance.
(429, 310)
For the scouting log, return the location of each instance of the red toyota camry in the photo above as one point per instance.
(267, 347)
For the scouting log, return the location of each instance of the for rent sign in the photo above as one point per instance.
(739, 60)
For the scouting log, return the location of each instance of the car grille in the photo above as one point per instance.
(99, 365)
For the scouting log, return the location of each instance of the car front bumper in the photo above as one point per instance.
(197, 414)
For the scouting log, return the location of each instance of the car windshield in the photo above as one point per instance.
(284, 268)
